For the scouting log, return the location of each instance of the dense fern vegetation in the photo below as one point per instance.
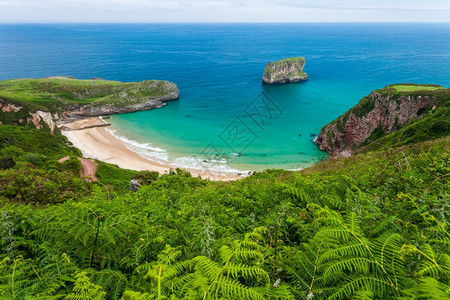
(371, 226)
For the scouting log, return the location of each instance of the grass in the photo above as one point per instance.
(292, 60)
(414, 88)
(54, 93)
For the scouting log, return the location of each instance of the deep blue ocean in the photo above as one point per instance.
(225, 115)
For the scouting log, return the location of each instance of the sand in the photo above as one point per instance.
(98, 143)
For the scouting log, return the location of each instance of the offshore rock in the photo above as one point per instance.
(285, 71)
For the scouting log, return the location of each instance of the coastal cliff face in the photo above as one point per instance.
(377, 114)
(285, 71)
(47, 101)
(124, 102)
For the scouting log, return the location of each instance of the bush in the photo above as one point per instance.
(146, 177)
(7, 162)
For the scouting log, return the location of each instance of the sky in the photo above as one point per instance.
(222, 11)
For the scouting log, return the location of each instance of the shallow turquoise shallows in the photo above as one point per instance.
(225, 118)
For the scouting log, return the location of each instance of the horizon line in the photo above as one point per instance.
(162, 23)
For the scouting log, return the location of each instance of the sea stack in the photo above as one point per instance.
(285, 71)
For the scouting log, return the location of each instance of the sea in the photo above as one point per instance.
(225, 118)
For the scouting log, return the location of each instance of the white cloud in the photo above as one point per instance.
(223, 11)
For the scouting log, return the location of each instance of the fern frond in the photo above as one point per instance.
(84, 289)
(359, 283)
(237, 270)
(428, 288)
(350, 264)
(231, 289)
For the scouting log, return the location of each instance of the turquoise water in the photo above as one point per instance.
(225, 115)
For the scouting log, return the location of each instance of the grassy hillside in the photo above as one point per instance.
(371, 226)
(51, 94)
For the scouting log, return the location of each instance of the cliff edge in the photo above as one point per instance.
(397, 114)
(285, 71)
(45, 101)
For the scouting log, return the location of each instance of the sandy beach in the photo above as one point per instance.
(97, 143)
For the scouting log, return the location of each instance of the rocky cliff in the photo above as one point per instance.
(378, 114)
(285, 71)
(43, 102)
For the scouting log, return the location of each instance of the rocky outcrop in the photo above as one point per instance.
(7, 107)
(129, 104)
(46, 117)
(62, 99)
(285, 71)
(379, 113)
(94, 110)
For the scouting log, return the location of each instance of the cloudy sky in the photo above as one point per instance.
(157, 11)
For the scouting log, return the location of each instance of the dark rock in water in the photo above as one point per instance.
(299, 134)
(301, 153)
(285, 71)
(188, 116)
(312, 135)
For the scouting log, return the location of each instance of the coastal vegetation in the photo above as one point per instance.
(54, 93)
(370, 226)
(53, 98)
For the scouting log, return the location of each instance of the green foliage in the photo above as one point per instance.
(34, 141)
(432, 125)
(372, 226)
(146, 177)
(39, 186)
(114, 176)
(52, 94)
(7, 162)
(84, 289)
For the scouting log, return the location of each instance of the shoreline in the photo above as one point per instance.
(90, 136)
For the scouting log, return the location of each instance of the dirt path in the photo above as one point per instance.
(88, 167)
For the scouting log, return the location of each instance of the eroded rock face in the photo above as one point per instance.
(285, 71)
(374, 112)
(10, 107)
(95, 110)
(35, 119)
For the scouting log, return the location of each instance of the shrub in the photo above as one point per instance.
(7, 162)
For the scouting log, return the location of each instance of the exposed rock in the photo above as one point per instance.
(77, 111)
(285, 71)
(35, 119)
(66, 128)
(134, 185)
(380, 112)
(10, 107)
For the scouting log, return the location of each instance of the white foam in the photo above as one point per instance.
(143, 149)
(156, 154)
(197, 163)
